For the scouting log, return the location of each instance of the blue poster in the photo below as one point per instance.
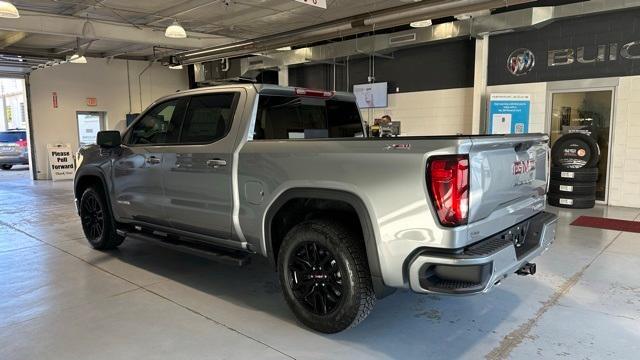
(509, 113)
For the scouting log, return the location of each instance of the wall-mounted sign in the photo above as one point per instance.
(61, 162)
(602, 45)
(91, 101)
(509, 113)
(317, 3)
(54, 99)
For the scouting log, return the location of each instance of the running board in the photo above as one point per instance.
(224, 256)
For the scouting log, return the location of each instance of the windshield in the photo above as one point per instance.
(13, 136)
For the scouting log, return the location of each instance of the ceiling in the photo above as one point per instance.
(53, 29)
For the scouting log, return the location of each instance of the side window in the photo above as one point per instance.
(208, 118)
(160, 125)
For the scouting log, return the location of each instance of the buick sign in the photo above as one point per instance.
(521, 61)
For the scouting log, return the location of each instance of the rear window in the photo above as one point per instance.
(13, 136)
(291, 117)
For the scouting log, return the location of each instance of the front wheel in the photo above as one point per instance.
(324, 275)
(97, 223)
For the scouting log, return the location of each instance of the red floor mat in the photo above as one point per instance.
(609, 224)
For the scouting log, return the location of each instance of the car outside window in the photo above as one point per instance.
(291, 117)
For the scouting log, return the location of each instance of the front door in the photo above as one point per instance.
(137, 172)
(588, 112)
(198, 172)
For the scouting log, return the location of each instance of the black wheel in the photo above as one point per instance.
(97, 223)
(324, 275)
(572, 201)
(575, 151)
(570, 187)
(586, 175)
(6, 167)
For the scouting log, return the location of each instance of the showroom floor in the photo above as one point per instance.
(62, 300)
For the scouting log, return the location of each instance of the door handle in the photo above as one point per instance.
(216, 163)
(153, 160)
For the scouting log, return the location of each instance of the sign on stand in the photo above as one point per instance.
(509, 113)
(61, 162)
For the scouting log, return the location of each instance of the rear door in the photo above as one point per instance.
(137, 172)
(508, 174)
(198, 172)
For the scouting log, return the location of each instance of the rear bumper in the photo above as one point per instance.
(478, 267)
(14, 160)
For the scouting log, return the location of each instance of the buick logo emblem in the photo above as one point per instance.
(521, 61)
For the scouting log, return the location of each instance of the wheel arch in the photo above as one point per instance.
(341, 196)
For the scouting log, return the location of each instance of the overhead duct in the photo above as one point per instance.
(376, 20)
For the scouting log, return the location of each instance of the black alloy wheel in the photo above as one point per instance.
(92, 218)
(315, 278)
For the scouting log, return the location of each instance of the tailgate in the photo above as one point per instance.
(507, 173)
(9, 149)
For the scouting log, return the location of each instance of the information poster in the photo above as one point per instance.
(371, 95)
(61, 162)
(509, 113)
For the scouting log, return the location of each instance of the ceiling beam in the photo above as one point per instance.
(41, 23)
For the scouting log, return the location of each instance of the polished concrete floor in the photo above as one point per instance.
(59, 299)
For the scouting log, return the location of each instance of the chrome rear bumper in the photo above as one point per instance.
(477, 268)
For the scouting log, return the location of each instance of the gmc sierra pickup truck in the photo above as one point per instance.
(289, 174)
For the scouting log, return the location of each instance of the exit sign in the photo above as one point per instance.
(317, 3)
(92, 101)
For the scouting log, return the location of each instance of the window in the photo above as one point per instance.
(290, 117)
(12, 136)
(208, 118)
(159, 125)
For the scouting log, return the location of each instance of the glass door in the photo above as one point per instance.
(89, 123)
(588, 112)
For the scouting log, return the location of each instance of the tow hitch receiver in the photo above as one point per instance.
(527, 269)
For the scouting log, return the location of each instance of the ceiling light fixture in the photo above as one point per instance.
(77, 59)
(421, 24)
(175, 67)
(284, 48)
(8, 10)
(175, 31)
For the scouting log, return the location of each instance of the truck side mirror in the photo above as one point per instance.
(109, 138)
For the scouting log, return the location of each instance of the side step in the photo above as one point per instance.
(221, 255)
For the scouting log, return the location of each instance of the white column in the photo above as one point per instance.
(480, 85)
(283, 76)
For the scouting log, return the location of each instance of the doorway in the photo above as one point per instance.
(89, 124)
(589, 112)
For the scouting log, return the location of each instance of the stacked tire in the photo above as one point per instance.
(574, 172)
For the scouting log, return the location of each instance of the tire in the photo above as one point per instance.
(6, 167)
(570, 187)
(97, 221)
(338, 297)
(584, 175)
(572, 201)
(575, 151)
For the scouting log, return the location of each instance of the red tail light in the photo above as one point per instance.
(22, 143)
(314, 93)
(448, 182)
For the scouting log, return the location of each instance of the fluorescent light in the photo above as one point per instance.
(175, 31)
(77, 59)
(284, 48)
(175, 67)
(7, 10)
(463, 17)
(421, 24)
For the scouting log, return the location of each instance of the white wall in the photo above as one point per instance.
(105, 80)
(437, 112)
(538, 92)
(624, 188)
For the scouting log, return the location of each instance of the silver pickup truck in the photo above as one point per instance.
(288, 173)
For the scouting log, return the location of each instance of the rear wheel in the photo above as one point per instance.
(97, 223)
(324, 275)
(6, 167)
